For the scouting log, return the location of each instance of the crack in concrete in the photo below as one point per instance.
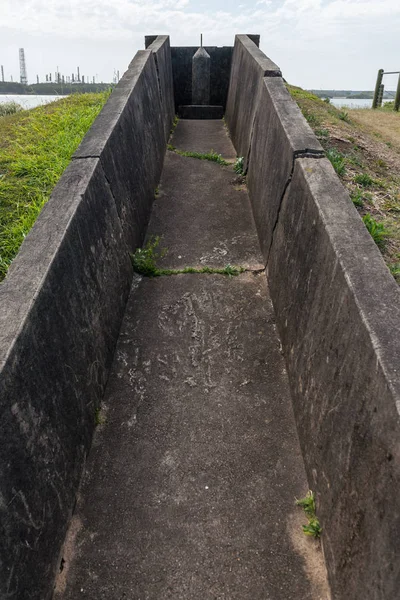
(249, 150)
(306, 153)
(207, 271)
(86, 156)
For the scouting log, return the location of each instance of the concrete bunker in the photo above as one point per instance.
(333, 297)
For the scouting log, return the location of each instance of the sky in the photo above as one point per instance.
(318, 44)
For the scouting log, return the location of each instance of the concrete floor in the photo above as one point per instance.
(190, 487)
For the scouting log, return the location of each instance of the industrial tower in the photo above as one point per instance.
(22, 67)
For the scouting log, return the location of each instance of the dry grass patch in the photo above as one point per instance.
(364, 149)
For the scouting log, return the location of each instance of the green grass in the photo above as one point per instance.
(377, 230)
(35, 148)
(357, 198)
(344, 116)
(238, 167)
(145, 259)
(395, 270)
(211, 156)
(364, 179)
(313, 526)
(9, 108)
(337, 159)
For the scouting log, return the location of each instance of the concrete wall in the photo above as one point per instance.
(61, 306)
(338, 314)
(219, 74)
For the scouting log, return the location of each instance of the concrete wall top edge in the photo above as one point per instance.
(266, 64)
(98, 135)
(158, 42)
(18, 292)
(376, 293)
(297, 131)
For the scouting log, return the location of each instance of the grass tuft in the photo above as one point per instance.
(338, 160)
(313, 526)
(364, 179)
(10, 108)
(343, 115)
(238, 167)
(377, 230)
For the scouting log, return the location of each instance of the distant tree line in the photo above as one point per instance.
(10, 87)
(356, 95)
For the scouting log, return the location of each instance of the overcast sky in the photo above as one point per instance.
(337, 44)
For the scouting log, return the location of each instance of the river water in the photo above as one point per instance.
(28, 101)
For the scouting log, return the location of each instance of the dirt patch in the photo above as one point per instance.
(68, 554)
(364, 148)
(311, 552)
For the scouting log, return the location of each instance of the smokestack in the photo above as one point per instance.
(79, 77)
(2, 73)
(47, 79)
(83, 79)
(22, 67)
(37, 78)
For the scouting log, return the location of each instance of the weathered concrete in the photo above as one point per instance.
(201, 77)
(249, 67)
(280, 135)
(193, 111)
(219, 75)
(198, 220)
(162, 54)
(60, 311)
(129, 138)
(190, 487)
(61, 307)
(338, 312)
(203, 136)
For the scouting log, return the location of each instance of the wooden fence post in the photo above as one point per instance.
(377, 88)
(397, 99)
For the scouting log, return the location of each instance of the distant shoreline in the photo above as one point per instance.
(50, 89)
(351, 94)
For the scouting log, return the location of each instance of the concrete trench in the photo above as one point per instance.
(189, 490)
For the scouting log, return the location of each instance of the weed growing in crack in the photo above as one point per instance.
(99, 418)
(144, 262)
(144, 259)
(238, 167)
(307, 503)
(229, 270)
(211, 156)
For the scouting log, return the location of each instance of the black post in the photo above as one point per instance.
(380, 95)
(377, 88)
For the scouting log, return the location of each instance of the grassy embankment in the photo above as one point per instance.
(35, 147)
(364, 149)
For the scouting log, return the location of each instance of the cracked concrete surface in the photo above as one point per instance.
(190, 486)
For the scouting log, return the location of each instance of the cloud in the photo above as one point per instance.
(292, 31)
